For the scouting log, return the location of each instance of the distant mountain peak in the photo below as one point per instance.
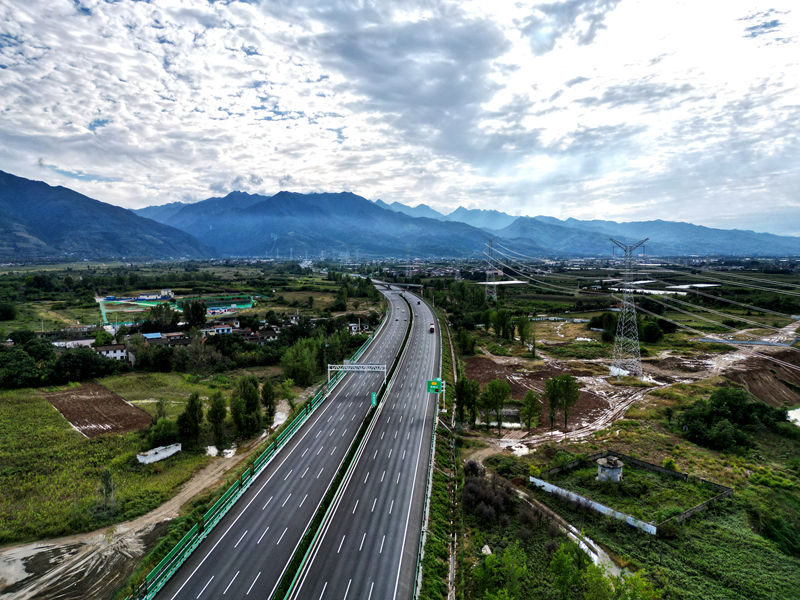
(41, 221)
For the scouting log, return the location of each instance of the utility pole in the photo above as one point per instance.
(627, 358)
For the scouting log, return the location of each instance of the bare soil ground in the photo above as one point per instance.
(590, 403)
(93, 410)
(770, 382)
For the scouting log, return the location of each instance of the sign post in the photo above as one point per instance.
(374, 399)
(434, 386)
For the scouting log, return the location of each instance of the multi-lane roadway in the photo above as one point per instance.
(369, 544)
(249, 550)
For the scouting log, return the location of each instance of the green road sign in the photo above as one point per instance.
(434, 386)
(374, 399)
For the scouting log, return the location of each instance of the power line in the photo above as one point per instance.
(737, 275)
(784, 363)
(717, 323)
(729, 282)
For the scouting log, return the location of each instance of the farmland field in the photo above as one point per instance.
(94, 410)
(50, 473)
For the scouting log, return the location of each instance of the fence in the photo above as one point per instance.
(596, 506)
(650, 528)
(159, 576)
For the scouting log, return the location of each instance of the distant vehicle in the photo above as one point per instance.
(432, 328)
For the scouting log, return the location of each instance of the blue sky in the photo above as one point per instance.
(617, 109)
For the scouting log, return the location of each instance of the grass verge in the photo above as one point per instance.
(50, 474)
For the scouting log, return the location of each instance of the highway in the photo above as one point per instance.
(368, 546)
(248, 551)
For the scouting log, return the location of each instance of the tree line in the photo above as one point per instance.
(472, 399)
(252, 406)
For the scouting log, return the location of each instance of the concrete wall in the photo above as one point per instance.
(596, 506)
(724, 491)
(157, 454)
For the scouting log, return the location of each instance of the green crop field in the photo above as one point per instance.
(50, 473)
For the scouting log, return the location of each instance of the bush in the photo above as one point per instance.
(669, 464)
(507, 467)
(163, 433)
(474, 469)
(8, 311)
(487, 499)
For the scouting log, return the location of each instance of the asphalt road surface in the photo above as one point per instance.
(248, 551)
(368, 548)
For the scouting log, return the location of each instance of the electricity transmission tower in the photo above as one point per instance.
(490, 290)
(627, 359)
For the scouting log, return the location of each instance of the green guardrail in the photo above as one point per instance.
(158, 577)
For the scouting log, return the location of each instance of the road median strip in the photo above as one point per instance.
(171, 562)
(333, 495)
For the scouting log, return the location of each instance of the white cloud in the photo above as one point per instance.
(628, 109)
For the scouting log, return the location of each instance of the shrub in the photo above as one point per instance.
(163, 433)
(669, 464)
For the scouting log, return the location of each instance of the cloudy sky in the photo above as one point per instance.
(618, 109)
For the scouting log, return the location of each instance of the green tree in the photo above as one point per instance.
(551, 393)
(268, 400)
(102, 338)
(566, 570)
(596, 585)
(562, 392)
(634, 586)
(238, 413)
(651, 332)
(161, 409)
(107, 487)
(467, 392)
(300, 360)
(163, 433)
(523, 327)
(530, 409)
(194, 313)
(246, 388)
(287, 393)
(162, 316)
(494, 399)
(217, 411)
(501, 575)
(8, 311)
(21, 336)
(189, 421)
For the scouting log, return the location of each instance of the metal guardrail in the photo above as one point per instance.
(428, 481)
(161, 573)
(354, 460)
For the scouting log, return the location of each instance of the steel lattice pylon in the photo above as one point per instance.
(627, 358)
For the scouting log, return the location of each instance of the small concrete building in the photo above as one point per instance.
(609, 469)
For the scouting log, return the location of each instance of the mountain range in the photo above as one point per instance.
(40, 222)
